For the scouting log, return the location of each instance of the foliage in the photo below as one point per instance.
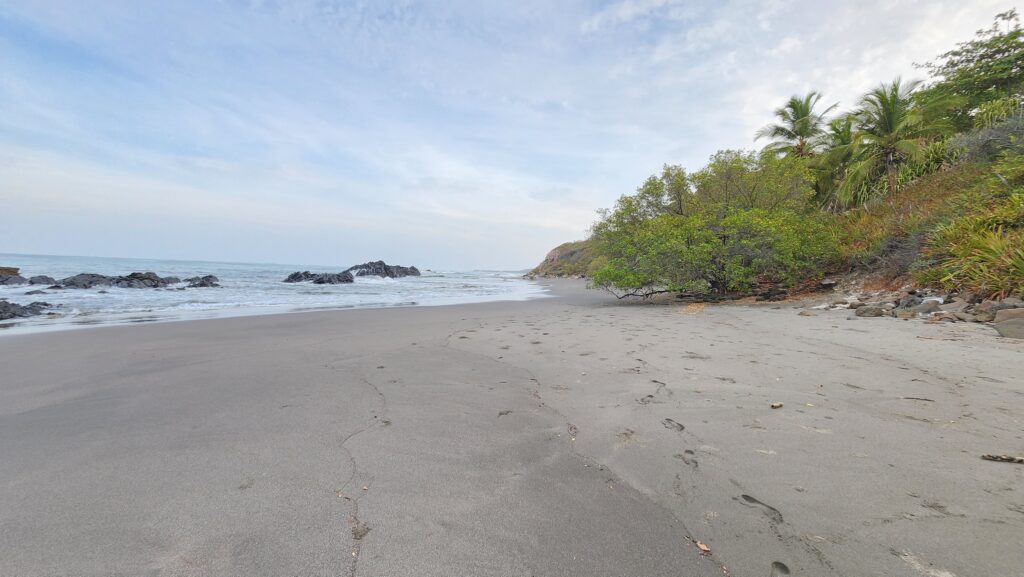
(981, 248)
(987, 144)
(799, 128)
(746, 180)
(702, 254)
(569, 259)
(987, 68)
(892, 130)
(742, 219)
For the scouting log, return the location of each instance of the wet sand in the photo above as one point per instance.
(573, 435)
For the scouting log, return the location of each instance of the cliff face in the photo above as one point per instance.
(570, 259)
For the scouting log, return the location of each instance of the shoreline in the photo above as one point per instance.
(35, 325)
(567, 435)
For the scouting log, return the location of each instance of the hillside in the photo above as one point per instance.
(571, 259)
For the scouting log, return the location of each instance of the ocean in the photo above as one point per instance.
(246, 289)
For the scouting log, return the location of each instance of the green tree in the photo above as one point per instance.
(737, 179)
(892, 128)
(799, 126)
(989, 67)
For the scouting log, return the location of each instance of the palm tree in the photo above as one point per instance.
(892, 129)
(799, 128)
(831, 165)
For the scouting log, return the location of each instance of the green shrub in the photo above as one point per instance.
(704, 254)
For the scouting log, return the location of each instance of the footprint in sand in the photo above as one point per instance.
(772, 512)
(673, 425)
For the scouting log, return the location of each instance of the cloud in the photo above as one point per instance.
(469, 135)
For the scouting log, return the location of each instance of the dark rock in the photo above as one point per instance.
(36, 292)
(208, 281)
(12, 310)
(1013, 328)
(12, 279)
(772, 293)
(910, 301)
(379, 268)
(856, 304)
(41, 279)
(133, 280)
(86, 280)
(828, 283)
(334, 278)
(321, 278)
(870, 311)
(300, 276)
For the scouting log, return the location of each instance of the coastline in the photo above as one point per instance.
(566, 435)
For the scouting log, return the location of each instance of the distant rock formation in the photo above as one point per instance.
(42, 279)
(380, 268)
(208, 281)
(87, 280)
(320, 278)
(12, 279)
(12, 310)
(572, 259)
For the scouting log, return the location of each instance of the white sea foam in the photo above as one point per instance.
(247, 289)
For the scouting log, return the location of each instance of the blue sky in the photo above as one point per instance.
(459, 134)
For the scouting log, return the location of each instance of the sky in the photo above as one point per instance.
(462, 134)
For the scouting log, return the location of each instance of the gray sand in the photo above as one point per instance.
(567, 436)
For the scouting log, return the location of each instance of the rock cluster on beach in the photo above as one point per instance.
(1006, 315)
(86, 280)
(320, 278)
(10, 310)
(376, 268)
(380, 268)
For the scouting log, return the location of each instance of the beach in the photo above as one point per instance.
(571, 435)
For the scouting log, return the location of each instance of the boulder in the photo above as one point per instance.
(334, 278)
(856, 304)
(871, 311)
(42, 279)
(87, 280)
(12, 279)
(11, 310)
(208, 281)
(9, 271)
(927, 307)
(1014, 302)
(905, 314)
(36, 292)
(966, 317)
(955, 307)
(1012, 329)
(300, 276)
(990, 306)
(321, 278)
(910, 301)
(380, 268)
(1008, 314)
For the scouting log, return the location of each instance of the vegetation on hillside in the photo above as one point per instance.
(921, 180)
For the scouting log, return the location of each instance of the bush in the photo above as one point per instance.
(703, 254)
(988, 144)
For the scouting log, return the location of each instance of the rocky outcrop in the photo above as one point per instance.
(13, 311)
(42, 279)
(87, 280)
(380, 268)
(208, 281)
(571, 259)
(320, 278)
(133, 280)
(12, 279)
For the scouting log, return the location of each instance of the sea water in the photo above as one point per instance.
(246, 289)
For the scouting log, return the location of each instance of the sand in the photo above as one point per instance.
(573, 435)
